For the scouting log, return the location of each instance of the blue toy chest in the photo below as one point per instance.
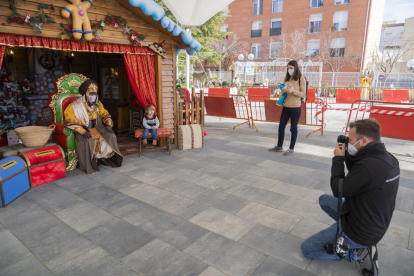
(14, 180)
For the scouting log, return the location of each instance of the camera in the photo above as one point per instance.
(340, 248)
(343, 140)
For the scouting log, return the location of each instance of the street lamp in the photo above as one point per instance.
(250, 56)
(240, 57)
(410, 65)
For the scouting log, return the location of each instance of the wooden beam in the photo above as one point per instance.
(158, 89)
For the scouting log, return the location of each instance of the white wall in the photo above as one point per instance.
(374, 29)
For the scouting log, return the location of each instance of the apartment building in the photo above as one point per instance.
(263, 22)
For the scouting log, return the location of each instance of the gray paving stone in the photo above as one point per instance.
(261, 196)
(222, 201)
(329, 268)
(411, 245)
(320, 185)
(220, 153)
(94, 262)
(38, 190)
(406, 193)
(307, 227)
(220, 171)
(11, 250)
(404, 204)
(160, 259)
(223, 162)
(57, 200)
(133, 211)
(277, 244)
(183, 188)
(407, 182)
(277, 167)
(305, 209)
(305, 163)
(396, 236)
(276, 267)
(122, 182)
(144, 192)
(118, 238)
(77, 184)
(84, 216)
(211, 271)
(291, 178)
(396, 259)
(152, 177)
(270, 217)
(21, 204)
(246, 159)
(174, 231)
(402, 219)
(297, 191)
(102, 196)
(216, 183)
(28, 266)
(190, 164)
(2, 228)
(186, 174)
(214, 249)
(56, 245)
(230, 226)
(251, 169)
(180, 206)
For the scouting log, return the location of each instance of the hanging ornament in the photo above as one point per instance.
(116, 25)
(133, 36)
(127, 30)
(102, 24)
(27, 18)
(98, 34)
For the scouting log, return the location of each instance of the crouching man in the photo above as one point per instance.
(367, 203)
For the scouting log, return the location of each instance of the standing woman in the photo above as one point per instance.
(291, 106)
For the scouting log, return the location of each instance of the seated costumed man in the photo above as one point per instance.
(92, 126)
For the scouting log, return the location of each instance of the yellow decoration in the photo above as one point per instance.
(80, 19)
(365, 80)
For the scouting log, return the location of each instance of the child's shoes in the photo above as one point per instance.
(144, 141)
(154, 142)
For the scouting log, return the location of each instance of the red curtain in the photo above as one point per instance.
(70, 45)
(2, 50)
(141, 74)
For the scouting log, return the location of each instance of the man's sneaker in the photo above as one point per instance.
(278, 149)
(289, 152)
(367, 264)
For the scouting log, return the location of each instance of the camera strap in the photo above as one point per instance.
(340, 188)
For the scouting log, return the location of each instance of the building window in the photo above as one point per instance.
(276, 27)
(256, 47)
(224, 28)
(257, 7)
(226, 11)
(340, 21)
(341, 2)
(316, 3)
(274, 49)
(388, 35)
(277, 6)
(315, 23)
(312, 50)
(337, 48)
(256, 29)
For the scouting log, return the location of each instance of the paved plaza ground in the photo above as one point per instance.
(230, 208)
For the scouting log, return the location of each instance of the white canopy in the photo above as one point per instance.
(195, 12)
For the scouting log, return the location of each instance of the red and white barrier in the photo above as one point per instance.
(374, 111)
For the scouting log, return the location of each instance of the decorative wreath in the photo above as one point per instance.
(47, 61)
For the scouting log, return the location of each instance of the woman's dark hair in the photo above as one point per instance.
(296, 75)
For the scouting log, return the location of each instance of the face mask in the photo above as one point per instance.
(291, 71)
(92, 98)
(352, 150)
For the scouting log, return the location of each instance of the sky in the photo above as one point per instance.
(398, 10)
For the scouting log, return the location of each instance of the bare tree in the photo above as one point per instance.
(229, 48)
(334, 54)
(292, 46)
(389, 52)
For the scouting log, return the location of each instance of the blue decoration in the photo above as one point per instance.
(282, 99)
(149, 7)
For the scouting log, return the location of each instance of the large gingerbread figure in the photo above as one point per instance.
(80, 19)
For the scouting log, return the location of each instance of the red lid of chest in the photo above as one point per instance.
(43, 155)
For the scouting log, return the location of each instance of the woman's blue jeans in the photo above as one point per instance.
(313, 248)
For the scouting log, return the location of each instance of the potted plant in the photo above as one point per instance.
(333, 28)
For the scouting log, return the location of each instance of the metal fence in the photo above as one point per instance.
(341, 79)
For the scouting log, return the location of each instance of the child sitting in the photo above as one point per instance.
(151, 123)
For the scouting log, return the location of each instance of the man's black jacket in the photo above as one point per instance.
(369, 189)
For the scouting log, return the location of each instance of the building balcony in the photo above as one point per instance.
(257, 33)
(275, 31)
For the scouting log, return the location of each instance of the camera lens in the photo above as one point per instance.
(343, 139)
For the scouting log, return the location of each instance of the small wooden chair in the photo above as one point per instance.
(161, 133)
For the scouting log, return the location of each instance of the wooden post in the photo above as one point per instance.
(202, 108)
(192, 102)
(158, 89)
(174, 51)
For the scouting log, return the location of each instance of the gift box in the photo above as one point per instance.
(14, 179)
(12, 138)
(45, 164)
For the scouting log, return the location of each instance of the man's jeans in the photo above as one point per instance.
(312, 247)
(147, 131)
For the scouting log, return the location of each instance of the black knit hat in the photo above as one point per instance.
(84, 86)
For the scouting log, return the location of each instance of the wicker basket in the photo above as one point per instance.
(34, 136)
